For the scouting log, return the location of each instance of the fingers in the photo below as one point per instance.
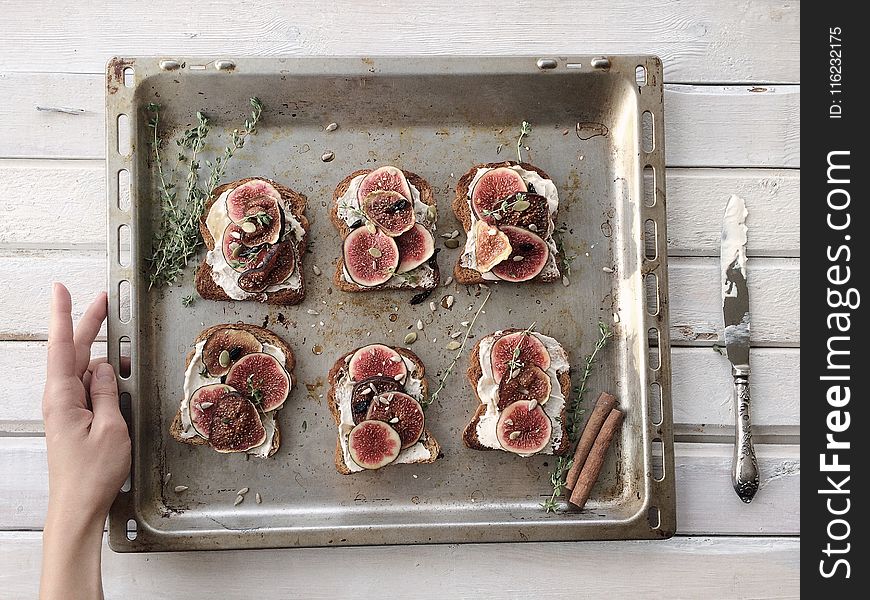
(104, 394)
(87, 330)
(61, 347)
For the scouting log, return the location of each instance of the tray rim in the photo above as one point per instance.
(121, 99)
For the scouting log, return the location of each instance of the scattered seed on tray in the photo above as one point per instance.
(327, 156)
(166, 478)
(464, 323)
(311, 311)
(607, 269)
(316, 270)
(454, 345)
(332, 127)
(258, 498)
(449, 280)
(432, 306)
(452, 244)
(455, 335)
(448, 302)
(243, 491)
(181, 488)
(411, 337)
(420, 324)
(238, 500)
(565, 281)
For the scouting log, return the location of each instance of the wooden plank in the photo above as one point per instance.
(682, 567)
(700, 41)
(701, 389)
(696, 312)
(706, 504)
(696, 198)
(705, 126)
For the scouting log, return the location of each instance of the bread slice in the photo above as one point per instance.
(429, 442)
(205, 283)
(474, 373)
(264, 336)
(460, 206)
(338, 279)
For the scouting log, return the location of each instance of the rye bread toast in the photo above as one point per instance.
(205, 283)
(427, 439)
(474, 373)
(338, 278)
(263, 335)
(462, 210)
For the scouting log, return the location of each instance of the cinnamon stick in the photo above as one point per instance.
(592, 468)
(603, 406)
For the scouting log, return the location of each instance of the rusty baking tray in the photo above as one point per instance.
(596, 129)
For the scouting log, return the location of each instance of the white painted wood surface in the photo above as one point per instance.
(732, 104)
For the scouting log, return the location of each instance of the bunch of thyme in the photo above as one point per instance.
(575, 413)
(177, 237)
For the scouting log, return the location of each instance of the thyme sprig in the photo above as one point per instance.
(178, 238)
(567, 259)
(515, 363)
(575, 413)
(525, 130)
(518, 205)
(434, 395)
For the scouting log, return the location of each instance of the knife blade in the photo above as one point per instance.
(735, 308)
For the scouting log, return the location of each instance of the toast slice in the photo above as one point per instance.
(430, 448)
(176, 428)
(291, 201)
(462, 210)
(340, 280)
(474, 373)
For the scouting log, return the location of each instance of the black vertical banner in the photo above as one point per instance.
(834, 258)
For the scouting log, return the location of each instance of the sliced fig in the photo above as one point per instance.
(494, 186)
(526, 210)
(416, 246)
(373, 444)
(529, 255)
(384, 178)
(402, 412)
(389, 210)
(523, 431)
(260, 377)
(376, 360)
(276, 265)
(365, 391)
(491, 246)
(531, 352)
(235, 425)
(370, 258)
(254, 193)
(239, 256)
(528, 383)
(225, 346)
(202, 404)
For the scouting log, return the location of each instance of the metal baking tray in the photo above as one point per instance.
(436, 116)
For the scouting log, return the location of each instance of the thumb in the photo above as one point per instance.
(104, 393)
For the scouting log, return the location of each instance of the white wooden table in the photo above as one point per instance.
(732, 103)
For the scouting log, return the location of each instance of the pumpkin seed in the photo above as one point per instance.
(455, 335)
(521, 205)
(411, 337)
(452, 244)
(375, 252)
(432, 213)
(533, 404)
(396, 359)
(370, 227)
(454, 345)
(449, 301)
(249, 227)
(224, 358)
(607, 269)
(420, 324)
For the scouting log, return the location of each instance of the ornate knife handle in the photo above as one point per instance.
(744, 475)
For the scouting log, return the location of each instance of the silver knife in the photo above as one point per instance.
(735, 306)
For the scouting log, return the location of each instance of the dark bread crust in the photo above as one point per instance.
(205, 284)
(338, 280)
(474, 373)
(462, 211)
(264, 336)
(429, 441)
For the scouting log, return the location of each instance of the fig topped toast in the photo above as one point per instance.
(376, 397)
(522, 381)
(255, 231)
(507, 210)
(236, 379)
(386, 218)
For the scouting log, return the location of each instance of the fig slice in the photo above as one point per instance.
(386, 178)
(491, 246)
(275, 266)
(524, 431)
(373, 444)
(255, 192)
(370, 258)
(529, 255)
(226, 346)
(260, 377)
(254, 207)
(389, 210)
(376, 360)
(402, 412)
(202, 404)
(528, 383)
(365, 391)
(527, 210)
(416, 246)
(239, 256)
(531, 352)
(494, 186)
(235, 425)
